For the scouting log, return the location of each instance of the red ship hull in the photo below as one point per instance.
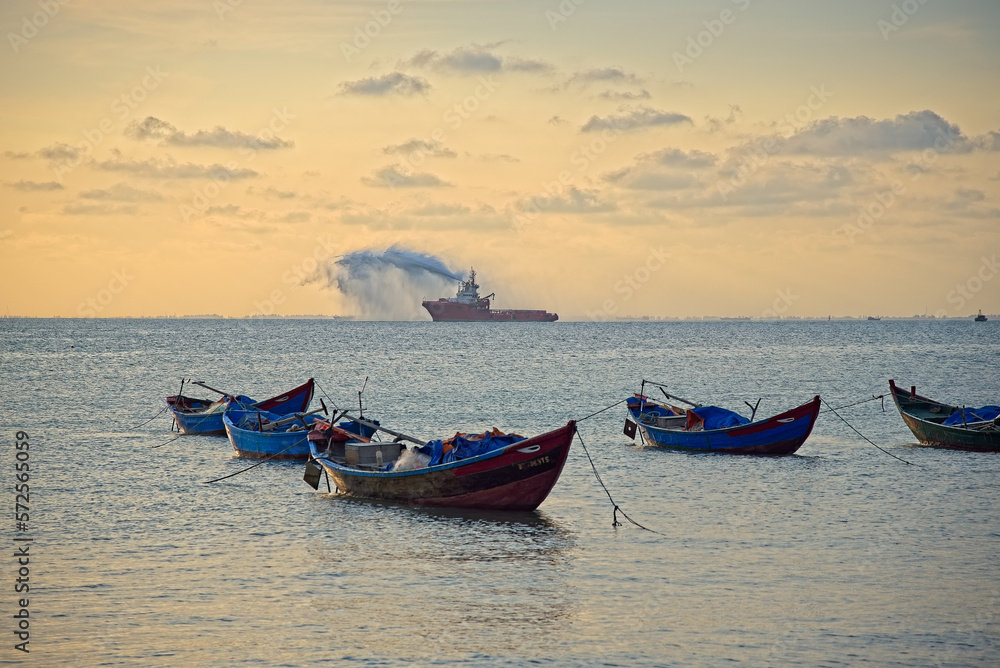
(447, 310)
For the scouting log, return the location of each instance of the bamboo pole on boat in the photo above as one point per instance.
(300, 416)
(397, 434)
(225, 394)
(670, 396)
(682, 400)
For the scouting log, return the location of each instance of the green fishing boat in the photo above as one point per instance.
(945, 426)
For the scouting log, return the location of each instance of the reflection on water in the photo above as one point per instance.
(837, 555)
(462, 581)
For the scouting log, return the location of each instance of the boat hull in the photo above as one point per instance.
(200, 423)
(919, 412)
(285, 445)
(446, 310)
(517, 477)
(782, 434)
(198, 416)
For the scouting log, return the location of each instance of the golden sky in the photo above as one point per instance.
(594, 158)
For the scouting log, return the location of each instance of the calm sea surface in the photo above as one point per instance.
(837, 556)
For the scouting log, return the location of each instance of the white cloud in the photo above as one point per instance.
(168, 169)
(666, 169)
(394, 83)
(391, 177)
(606, 75)
(430, 148)
(637, 118)
(122, 192)
(475, 59)
(154, 128)
(915, 131)
(35, 186)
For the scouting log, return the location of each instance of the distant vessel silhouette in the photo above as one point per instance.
(467, 306)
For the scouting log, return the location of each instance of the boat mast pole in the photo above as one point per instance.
(361, 409)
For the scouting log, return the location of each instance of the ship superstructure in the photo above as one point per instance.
(467, 305)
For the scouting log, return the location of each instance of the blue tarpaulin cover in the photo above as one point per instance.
(973, 415)
(464, 446)
(719, 418)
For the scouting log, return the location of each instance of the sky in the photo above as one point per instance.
(756, 158)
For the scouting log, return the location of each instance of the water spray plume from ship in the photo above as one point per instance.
(386, 284)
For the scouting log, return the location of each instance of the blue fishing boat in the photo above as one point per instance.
(258, 434)
(204, 416)
(718, 430)
(261, 434)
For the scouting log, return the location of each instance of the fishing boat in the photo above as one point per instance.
(718, 430)
(981, 317)
(489, 471)
(261, 434)
(468, 306)
(945, 426)
(204, 416)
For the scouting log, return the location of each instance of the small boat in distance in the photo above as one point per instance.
(981, 317)
(944, 426)
(713, 429)
(872, 317)
(489, 471)
(204, 416)
(468, 306)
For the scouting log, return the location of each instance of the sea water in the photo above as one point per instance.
(838, 555)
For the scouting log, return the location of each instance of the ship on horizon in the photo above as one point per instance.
(468, 306)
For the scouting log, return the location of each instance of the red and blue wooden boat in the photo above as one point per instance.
(927, 419)
(514, 476)
(204, 416)
(716, 430)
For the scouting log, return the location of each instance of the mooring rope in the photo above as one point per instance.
(150, 419)
(208, 482)
(614, 519)
(321, 389)
(863, 436)
(602, 410)
(858, 403)
(168, 442)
